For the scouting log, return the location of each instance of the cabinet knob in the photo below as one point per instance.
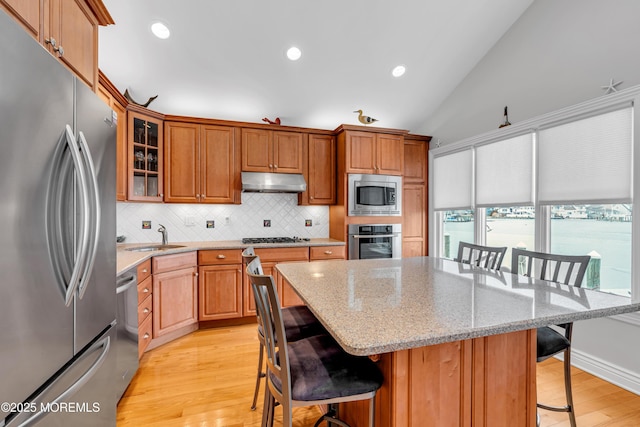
(51, 41)
(195, 274)
(275, 166)
(221, 256)
(144, 270)
(145, 291)
(60, 50)
(146, 336)
(145, 311)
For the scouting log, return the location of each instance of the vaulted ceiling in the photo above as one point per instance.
(226, 59)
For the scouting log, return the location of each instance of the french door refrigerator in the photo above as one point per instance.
(57, 242)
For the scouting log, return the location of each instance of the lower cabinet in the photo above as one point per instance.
(145, 306)
(175, 292)
(220, 284)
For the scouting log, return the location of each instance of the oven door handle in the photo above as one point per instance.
(372, 236)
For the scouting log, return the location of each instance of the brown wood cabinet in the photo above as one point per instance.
(374, 153)
(144, 154)
(414, 197)
(320, 172)
(110, 95)
(145, 306)
(272, 151)
(67, 28)
(201, 163)
(220, 284)
(175, 292)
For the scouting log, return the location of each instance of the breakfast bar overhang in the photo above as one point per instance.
(456, 343)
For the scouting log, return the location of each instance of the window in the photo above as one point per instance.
(559, 183)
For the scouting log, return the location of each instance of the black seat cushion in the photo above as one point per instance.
(299, 322)
(321, 369)
(550, 342)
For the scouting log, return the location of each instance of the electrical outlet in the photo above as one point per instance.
(211, 224)
(266, 223)
(146, 225)
(189, 221)
(308, 223)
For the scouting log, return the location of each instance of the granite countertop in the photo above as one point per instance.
(383, 305)
(128, 259)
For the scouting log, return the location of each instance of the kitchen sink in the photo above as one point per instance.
(158, 247)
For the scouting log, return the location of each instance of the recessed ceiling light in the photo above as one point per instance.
(160, 30)
(398, 71)
(294, 53)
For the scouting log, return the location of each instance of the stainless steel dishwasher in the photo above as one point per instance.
(127, 329)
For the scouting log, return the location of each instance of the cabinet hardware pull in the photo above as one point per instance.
(144, 270)
(328, 252)
(275, 166)
(51, 41)
(270, 166)
(60, 50)
(221, 256)
(146, 336)
(145, 291)
(145, 311)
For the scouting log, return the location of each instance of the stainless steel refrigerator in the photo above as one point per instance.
(57, 242)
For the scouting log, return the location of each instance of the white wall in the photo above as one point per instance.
(559, 53)
(244, 220)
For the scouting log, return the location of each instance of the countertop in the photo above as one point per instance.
(384, 305)
(127, 259)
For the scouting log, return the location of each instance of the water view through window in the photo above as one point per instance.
(602, 231)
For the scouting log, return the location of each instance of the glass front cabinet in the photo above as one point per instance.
(145, 157)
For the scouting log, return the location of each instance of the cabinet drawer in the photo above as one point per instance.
(219, 257)
(144, 270)
(174, 262)
(144, 335)
(283, 254)
(327, 252)
(144, 289)
(144, 309)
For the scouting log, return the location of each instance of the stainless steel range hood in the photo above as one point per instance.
(264, 182)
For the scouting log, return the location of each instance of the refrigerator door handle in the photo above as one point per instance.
(55, 228)
(105, 344)
(93, 213)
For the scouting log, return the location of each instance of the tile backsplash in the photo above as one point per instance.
(188, 222)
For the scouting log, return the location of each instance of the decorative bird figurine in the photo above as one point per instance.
(272, 122)
(128, 98)
(365, 119)
(506, 119)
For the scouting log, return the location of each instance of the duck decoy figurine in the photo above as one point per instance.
(365, 119)
(506, 119)
(146, 104)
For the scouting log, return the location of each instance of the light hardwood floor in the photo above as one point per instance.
(206, 379)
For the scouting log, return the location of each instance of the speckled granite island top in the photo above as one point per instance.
(380, 306)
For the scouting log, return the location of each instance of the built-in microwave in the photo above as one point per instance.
(374, 195)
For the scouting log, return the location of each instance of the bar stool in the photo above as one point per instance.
(311, 371)
(299, 323)
(554, 268)
(481, 256)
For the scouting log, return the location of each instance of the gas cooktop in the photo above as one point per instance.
(254, 240)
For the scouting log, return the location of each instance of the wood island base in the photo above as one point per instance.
(481, 382)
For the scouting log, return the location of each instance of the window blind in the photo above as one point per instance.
(504, 172)
(587, 160)
(452, 181)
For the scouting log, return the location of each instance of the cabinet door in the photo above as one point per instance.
(145, 158)
(361, 152)
(121, 151)
(322, 170)
(287, 152)
(175, 300)
(27, 13)
(76, 33)
(249, 302)
(415, 162)
(218, 172)
(389, 154)
(257, 155)
(220, 292)
(182, 169)
(414, 226)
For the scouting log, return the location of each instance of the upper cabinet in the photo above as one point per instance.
(414, 196)
(145, 155)
(201, 163)
(321, 171)
(110, 95)
(373, 152)
(67, 28)
(272, 151)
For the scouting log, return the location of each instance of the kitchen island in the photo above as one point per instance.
(456, 344)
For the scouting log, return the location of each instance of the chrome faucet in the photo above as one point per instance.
(165, 234)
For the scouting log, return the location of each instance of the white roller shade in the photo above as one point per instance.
(452, 181)
(587, 160)
(504, 172)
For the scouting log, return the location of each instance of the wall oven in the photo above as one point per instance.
(374, 195)
(370, 241)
